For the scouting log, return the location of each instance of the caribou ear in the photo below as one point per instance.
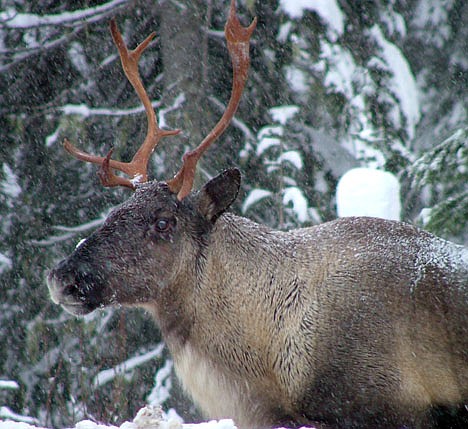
(218, 194)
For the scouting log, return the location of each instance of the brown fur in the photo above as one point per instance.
(355, 323)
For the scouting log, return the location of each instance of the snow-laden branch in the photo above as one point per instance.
(11, 19)
(107, 375)
(50, 241)
(328, 10)
(69, 232)
(86, 111)
(254, 197)
(402, 83)
(9, 384)
(83, 227)
(8, 414)
(23, 54)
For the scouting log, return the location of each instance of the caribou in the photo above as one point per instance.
(355, 323)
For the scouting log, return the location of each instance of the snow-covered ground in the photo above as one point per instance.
(147, 418)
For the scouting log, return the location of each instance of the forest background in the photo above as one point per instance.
(333, 85)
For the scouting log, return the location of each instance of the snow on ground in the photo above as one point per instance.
(147, 418)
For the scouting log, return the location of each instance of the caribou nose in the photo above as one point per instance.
(61, 282)
(54, 288)
(76, 285)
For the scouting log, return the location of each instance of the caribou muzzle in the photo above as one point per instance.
(75, 287)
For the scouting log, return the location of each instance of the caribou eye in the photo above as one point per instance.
(162, 228)
(162, 225)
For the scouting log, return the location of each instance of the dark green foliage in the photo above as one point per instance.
(443, 173)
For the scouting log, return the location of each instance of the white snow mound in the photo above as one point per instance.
(368, 192)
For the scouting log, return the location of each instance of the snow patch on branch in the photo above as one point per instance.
(340, 68)
(254, 197)
(297, 79)
(11, 19)
(24, 422)
(328, 10)
(9, 185)
(282, 114)
(269, 136)
(393, 21)
(295, 196)
(8, 384)
(78, 58)
(126, 367)
(162, 385)
(86, 111)
(402, 84)
(293, 157)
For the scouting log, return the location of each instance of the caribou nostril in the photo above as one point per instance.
(66, 281)
(71, 290)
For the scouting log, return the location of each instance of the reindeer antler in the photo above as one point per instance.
(238, 39)
(137, 167)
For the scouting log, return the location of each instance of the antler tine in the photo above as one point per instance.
(137, 167)
(129, 61)
(238, 38)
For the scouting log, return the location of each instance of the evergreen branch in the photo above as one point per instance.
(10, 19)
